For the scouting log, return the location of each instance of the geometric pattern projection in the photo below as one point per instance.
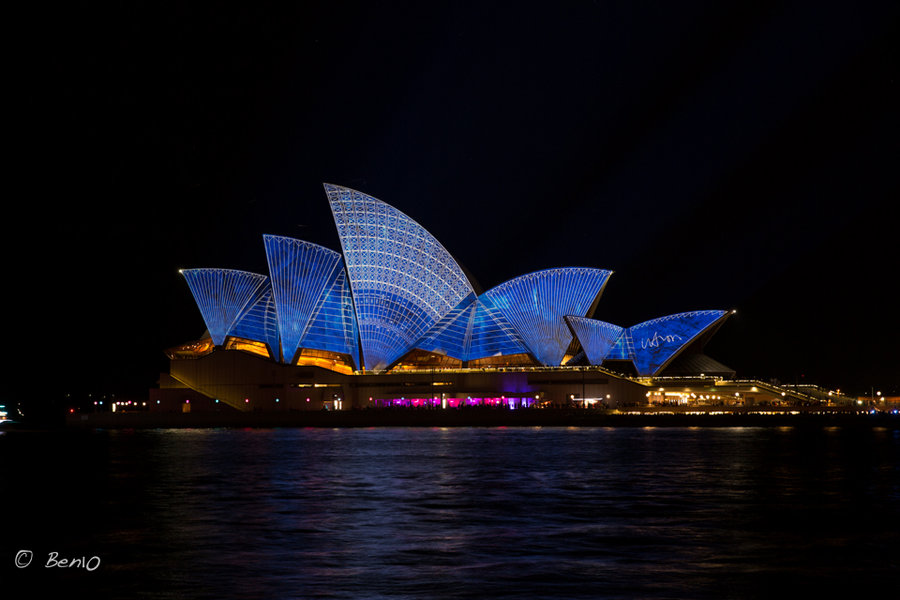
(658, 341)
(650, 345)
(471, 331)
(333, 326)
(260, 321)
(403, 280)
(535, 305)
(623, 349)
(222, 295)
(450, 335)
(596, 337)
(492, 334)
(301, 274)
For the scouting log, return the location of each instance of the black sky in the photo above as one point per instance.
(713, 155)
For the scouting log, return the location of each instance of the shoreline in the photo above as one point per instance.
(474, 418)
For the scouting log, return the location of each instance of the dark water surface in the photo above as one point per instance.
(454, 513)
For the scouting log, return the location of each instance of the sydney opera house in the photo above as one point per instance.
(393, 320)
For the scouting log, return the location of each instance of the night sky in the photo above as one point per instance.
(713, 155)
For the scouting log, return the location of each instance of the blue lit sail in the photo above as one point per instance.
(658, 341)
(450, 336)
(260, 322)
(473, 330)
(222, 295)
(492, 334)
(333, 327)
(402, 278)
(623, 349)
(597, 338)
(536, 303)
(301, 274)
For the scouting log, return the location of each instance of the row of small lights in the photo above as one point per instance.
(693, 395)
(537, 397)
(246, 401)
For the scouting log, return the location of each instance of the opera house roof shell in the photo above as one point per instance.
(395, 292)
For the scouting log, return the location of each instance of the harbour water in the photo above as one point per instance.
(467, 512)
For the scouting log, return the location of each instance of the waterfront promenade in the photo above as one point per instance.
(487, 417)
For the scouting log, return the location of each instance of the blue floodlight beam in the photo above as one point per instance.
(222, 295)
(536, 303)
(402, 279)
(301, 274)
(658, 341)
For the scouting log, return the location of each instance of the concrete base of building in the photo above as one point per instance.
(250, 383)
